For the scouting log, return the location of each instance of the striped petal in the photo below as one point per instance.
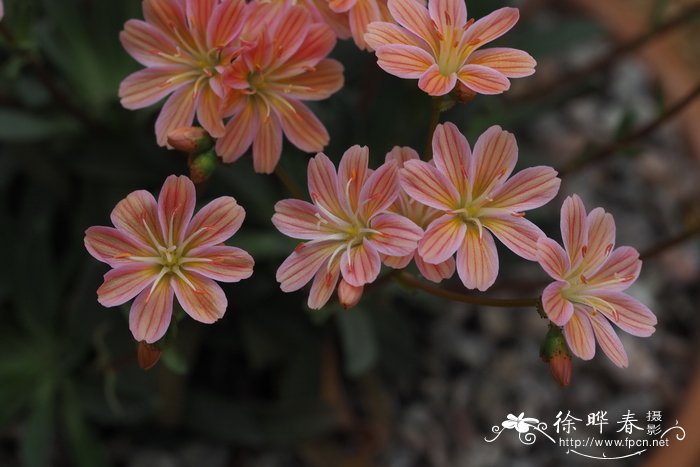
(150, 85)
(574, 228)
(225, 23)
(619, 271)
(442, 238)
(239, 133)
(317, 83)
(494, 157)
(175, 208)
(512, 63)
(301, 127)
(518, 234)
(352, 173)
(404, 61)
(436, 272)
(323, 184)
(631, 315)
(435, 83)
(528, 189)
(209, 112)
(491, 27)
(601, 239)
(267, 145)
(198, 13)
(323, 285)
(477, 260)
(483, 80)
(552, 258)
(414, 17)
(125, 282)
(177, 112)
(558, 309)
(298, 219)
(381, 33)
(451, 154)
(222, 263)
(397, 235)
(380, 190)
(579, 334)
(145, 43)
(608, 340)
(113, 246)
(448, 14)
(150, 313)
(361, 264)
(428, 185)
(361, 15)
(137, 215)
(200, 297)
(298, 269)
(215, 223)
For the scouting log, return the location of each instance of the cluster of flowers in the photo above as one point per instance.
(253, 64)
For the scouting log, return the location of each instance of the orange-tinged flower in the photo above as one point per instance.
(183, 44)
(361, 13)
(283, 64)
(348, 226)
(590, 277)
(476, 199)
(158, 248)
(321, 12)
(439, 47)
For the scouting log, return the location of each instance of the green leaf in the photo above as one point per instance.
(83, 444)
(35, 445)
(174, 360)
(359, 341)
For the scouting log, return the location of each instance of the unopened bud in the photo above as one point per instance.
(349, 295)
(202, 166)
(462, 94)
(555, 352)
(147, 355)
(190, 139)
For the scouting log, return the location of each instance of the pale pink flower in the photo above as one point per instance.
(438, 46)
(348, 226)
(476, 199)
(321, 12)
(590, 279)
(422, 216)
(361, 13)
(284, 64)
(159, 249)
(183, 44)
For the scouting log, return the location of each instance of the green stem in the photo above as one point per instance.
(412, 281)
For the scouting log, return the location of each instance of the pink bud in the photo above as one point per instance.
(147, 355)
(349, 295)
(190, 139)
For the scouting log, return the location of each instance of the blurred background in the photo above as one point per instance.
(404, 379)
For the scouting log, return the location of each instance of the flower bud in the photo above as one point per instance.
(190, 139)
(462, 94)
(555, 352)
(202, 166)
(147, 355)
(349, 295)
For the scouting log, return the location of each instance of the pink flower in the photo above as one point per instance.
(590, 278)
(438, 46)
(159, 248)
(283, 65)
(348, 226)
(183, 44)
(422, 216)
(321, 12)
(476, 199)
(361, 13)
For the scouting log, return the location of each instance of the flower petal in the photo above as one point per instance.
(209, 112)
(150, 313)
(361, 264)
(414, 17)
(353, 172)
(323, 285)
(558, 309)
(448, 14)
(198, 13)
(436, 272)
(227, 263)
(315, 84)
(301, 127)
(298, 269)
(239, 133)
(619, 271)
(451, 154)
(113, 246)
(518, 234)
(215, 223)
(442, 238)
(632, 316)
(145, 43)
(175, 208)
(579, 335)
(289, 31)
(202, 298)
(601, 239)
(401, 155)
(397, 235)
(608, 339)
(494, 157)
(125, 282)
(168, 16)
(323, 185)
(491, 27)
(341, 6)
(225, 23)
(512, 63)
(528, 189)
(361, 15)
(297, 219)
(380, 190)
(404, 61)
(435, 83)
(552, 258)
(178, 111)
(381, 33)
(482, 79)
(137, 215)
(318, 43)
(267, 146)
(428, 185)
(574, 228)
(477, 260)
(150, 85)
